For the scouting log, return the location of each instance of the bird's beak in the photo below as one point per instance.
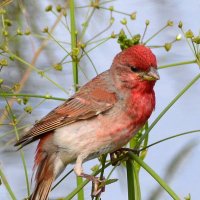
(151, 75)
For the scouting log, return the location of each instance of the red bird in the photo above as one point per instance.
(100, 118)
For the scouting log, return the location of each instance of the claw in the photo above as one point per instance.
(116, 154)
(98, 186)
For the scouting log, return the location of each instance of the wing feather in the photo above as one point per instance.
(86, 103)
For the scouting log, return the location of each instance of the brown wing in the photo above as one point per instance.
(83, 105)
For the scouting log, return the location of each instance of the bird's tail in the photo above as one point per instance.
(44, 178)
(48, 167)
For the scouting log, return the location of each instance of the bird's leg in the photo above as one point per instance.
(98, 185)
(116, 154)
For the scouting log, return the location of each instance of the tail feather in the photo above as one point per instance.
(42, 190)
(44, 178)
(48, 166)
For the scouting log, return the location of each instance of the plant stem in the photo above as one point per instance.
(168, 138)
(130, 179)
(154, 175)
(73, 43)
(36, 70)
(136, 181)
(75, 71)
(21, 151)
(62, 179)
(155, 34)
(31, 95)
(6, 184)
(177, 64)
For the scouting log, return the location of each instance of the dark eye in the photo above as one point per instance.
(134, 69)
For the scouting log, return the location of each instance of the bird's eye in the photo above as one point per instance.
(134, 69)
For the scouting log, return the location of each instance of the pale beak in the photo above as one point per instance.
(151, 75)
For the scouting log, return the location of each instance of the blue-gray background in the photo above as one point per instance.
(183, 116)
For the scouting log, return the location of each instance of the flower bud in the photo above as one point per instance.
(123, 21)
(147, 22)
(48, 8)
(180, 25)
(28, 109)
(45, 30)
(111, 8)
(41, 73)
(48, 96)
(167, 46)
(58, 8)
(27, 31)
(16, 87)
(170, 23)
(19, 31)
(19, 101)
(112, 19)
(196, 40)
(2, 11)
(25, 100)
(189, 34)
(3, 62)
(133, 15)
(58, 67)
(1, 81)
(113, 35)
(8, 22)
(5, 33)
(178, 37)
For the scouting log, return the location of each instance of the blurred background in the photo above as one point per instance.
(176, 161)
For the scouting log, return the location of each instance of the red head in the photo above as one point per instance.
(135, 68)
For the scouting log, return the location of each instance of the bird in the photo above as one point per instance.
(101, 117)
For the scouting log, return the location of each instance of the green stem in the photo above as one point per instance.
(103, 162)
(12, 131)
(168, 138)
(73, 43)
(62, 179)
(177, 64)
(25, 172)
(86, 23)
(136, 182)
(144, 33)
(154, 35)
(196, 78)
(130, 179)
(32, 95)
(6, 184)
(21, 151)
(154, 175)
(36, 70)
(116, 11)
(97, 45)
(95, 69)
(75, 70)
(58, 43)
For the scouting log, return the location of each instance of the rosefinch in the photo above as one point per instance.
(100, 118)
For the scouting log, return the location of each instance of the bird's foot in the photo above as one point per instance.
(116, 154)
(135, 151)
(98, 186)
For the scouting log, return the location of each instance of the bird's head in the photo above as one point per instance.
(135, 67)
